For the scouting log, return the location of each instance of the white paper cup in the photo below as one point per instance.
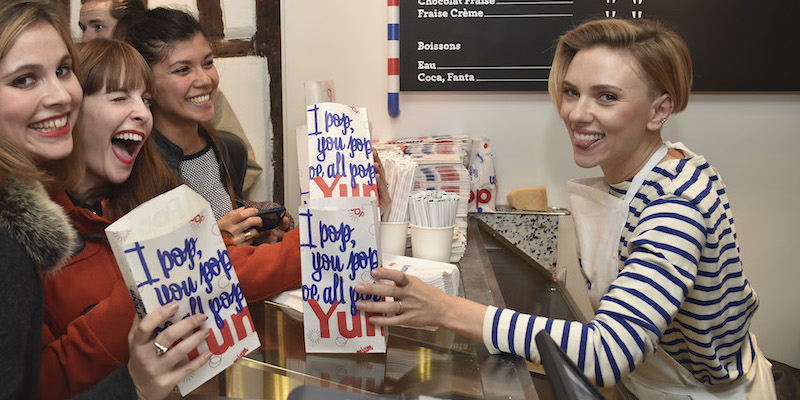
(394, 237)
(432, 243)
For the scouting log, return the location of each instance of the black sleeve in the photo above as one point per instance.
(21, 313)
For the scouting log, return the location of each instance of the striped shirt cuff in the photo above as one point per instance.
(488, 323)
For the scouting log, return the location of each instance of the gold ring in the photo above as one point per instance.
(248, 235)
(399, 303)
(159, 348)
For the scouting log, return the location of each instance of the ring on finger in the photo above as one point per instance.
(248, 235)
(160, 349)
(399, 303)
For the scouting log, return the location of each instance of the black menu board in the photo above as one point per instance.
(507, 45)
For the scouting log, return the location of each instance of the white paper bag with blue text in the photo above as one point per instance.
(339, 248)
(339, 153)
(170, 249)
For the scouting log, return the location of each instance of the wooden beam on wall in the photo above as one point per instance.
(210, 16)
(268, 44)
(232, 48)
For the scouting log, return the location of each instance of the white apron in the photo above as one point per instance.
(599, 218)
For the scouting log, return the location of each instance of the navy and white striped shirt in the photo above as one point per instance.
(680, 286)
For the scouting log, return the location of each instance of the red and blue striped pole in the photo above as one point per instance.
(394, 58)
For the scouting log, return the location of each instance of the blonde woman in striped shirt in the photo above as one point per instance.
(656, 238)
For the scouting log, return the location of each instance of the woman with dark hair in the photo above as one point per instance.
(40, 96)
(212, 162)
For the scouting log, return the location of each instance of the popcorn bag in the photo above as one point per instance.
(339, 248)
(338, 156)
(170, 249)
(483, 181)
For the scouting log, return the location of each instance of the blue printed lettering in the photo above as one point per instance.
(138, 249)
(316, 124)
(362, 171)
(336, 120)
(324, 262)
(355, 296)
(338, 168)
(330, 233)
(169, 259)
(332, 294)
(326, 144)
(310, 292)
(363, 260)
(214, 267)
(225, 301)
(358, 145)
(175, 291)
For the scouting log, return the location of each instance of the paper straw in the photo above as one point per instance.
(399, 170)
(433, 208)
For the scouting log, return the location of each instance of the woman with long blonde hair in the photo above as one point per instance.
(40, 97)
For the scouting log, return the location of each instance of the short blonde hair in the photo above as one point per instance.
(16, 16)
(660, 53)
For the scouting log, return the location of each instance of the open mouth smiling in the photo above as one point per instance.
(126, 145)
(53, 127)
(50, 125)
(199, 99)
(587, 140)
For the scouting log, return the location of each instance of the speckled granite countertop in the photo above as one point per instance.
(535, 233)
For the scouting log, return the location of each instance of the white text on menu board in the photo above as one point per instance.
(453, 12)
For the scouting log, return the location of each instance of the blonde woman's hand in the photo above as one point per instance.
(415, 302)
(419, 304)
(155, 373)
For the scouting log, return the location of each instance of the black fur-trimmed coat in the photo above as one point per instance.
(35, 239)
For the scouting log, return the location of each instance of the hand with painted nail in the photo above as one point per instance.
(158, 363)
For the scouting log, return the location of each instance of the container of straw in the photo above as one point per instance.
(432, 214)
(399, 169)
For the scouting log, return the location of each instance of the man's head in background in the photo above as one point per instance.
(98, 18)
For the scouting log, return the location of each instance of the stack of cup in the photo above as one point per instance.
(432, 243)
(393, 237)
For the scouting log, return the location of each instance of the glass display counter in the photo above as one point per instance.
(436, 363)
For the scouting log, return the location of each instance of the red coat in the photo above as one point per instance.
(88, 311)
